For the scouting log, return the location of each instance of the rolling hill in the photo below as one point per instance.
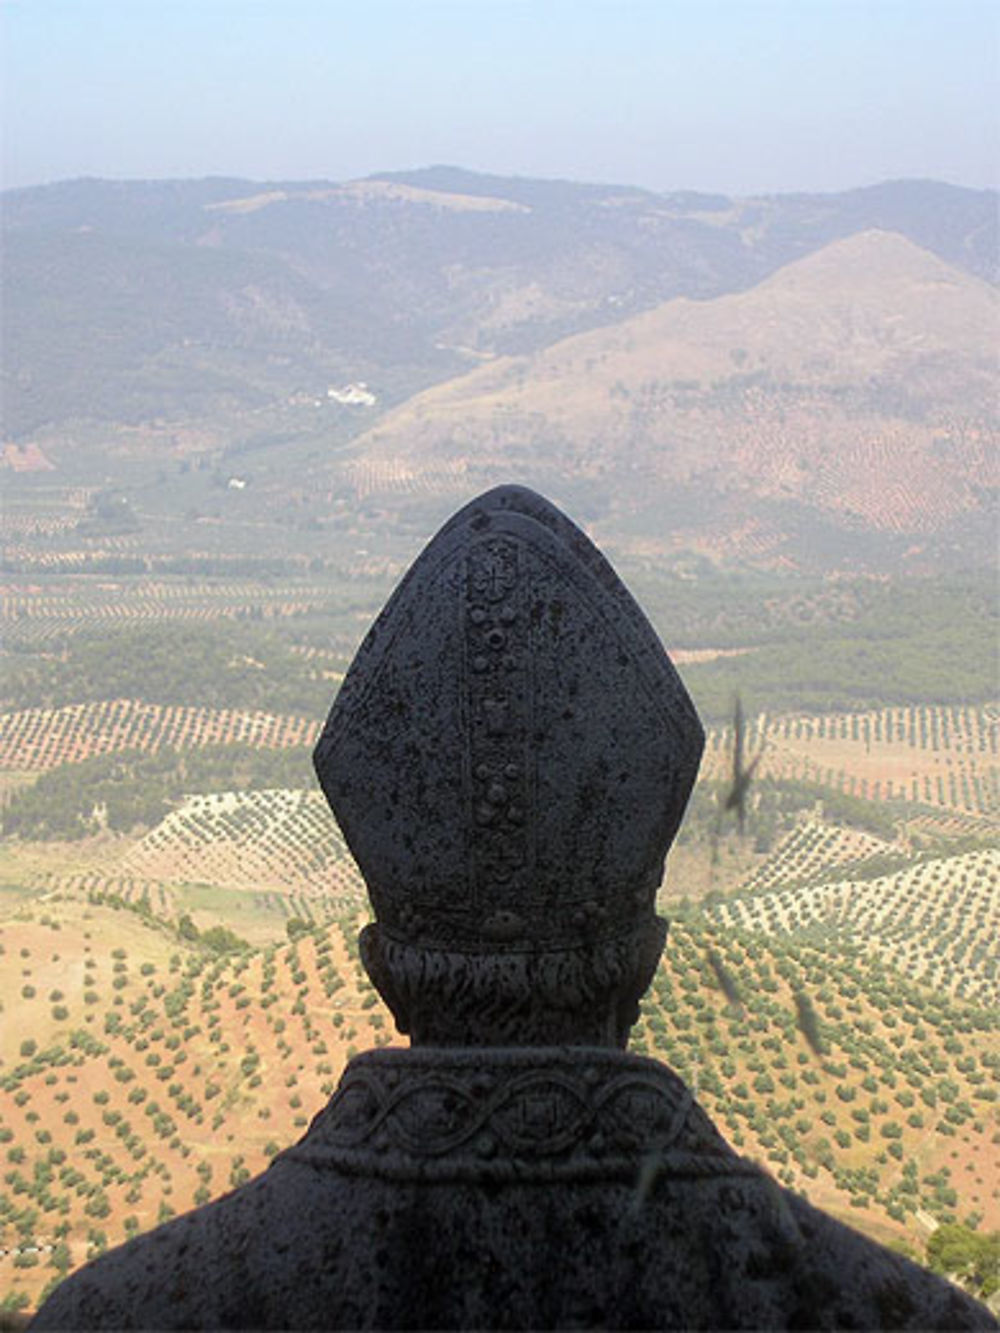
(853, 390)
(805, 381)
(130, 301)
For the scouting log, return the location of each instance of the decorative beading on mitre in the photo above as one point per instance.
(511, 751)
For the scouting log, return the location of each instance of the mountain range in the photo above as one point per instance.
(747, 376)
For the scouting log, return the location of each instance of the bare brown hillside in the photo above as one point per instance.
(859, 381)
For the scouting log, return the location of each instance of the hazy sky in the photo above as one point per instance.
(729, 95)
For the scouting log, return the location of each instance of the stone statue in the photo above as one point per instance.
(509, 758)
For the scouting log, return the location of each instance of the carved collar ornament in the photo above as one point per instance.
(564, 1113)
(511, 752)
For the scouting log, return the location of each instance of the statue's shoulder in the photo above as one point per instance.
(187, 1273)
(872, 1285)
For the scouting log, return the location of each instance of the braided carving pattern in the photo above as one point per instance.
(574, 1114)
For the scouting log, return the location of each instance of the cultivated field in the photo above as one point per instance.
(281, 840)
(36, 615)
(36, 739)
(936, 921)
(813, 850)
(929, 755)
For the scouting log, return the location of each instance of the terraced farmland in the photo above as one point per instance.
(281, 840)
(375, 476)
(814, 850)
(37, 614)
(937, 920)
(51, 512)
(150, 896)
(36, 739)
(931, 755)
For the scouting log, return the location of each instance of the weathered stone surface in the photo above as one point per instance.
(509, 757)
(512, 750)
